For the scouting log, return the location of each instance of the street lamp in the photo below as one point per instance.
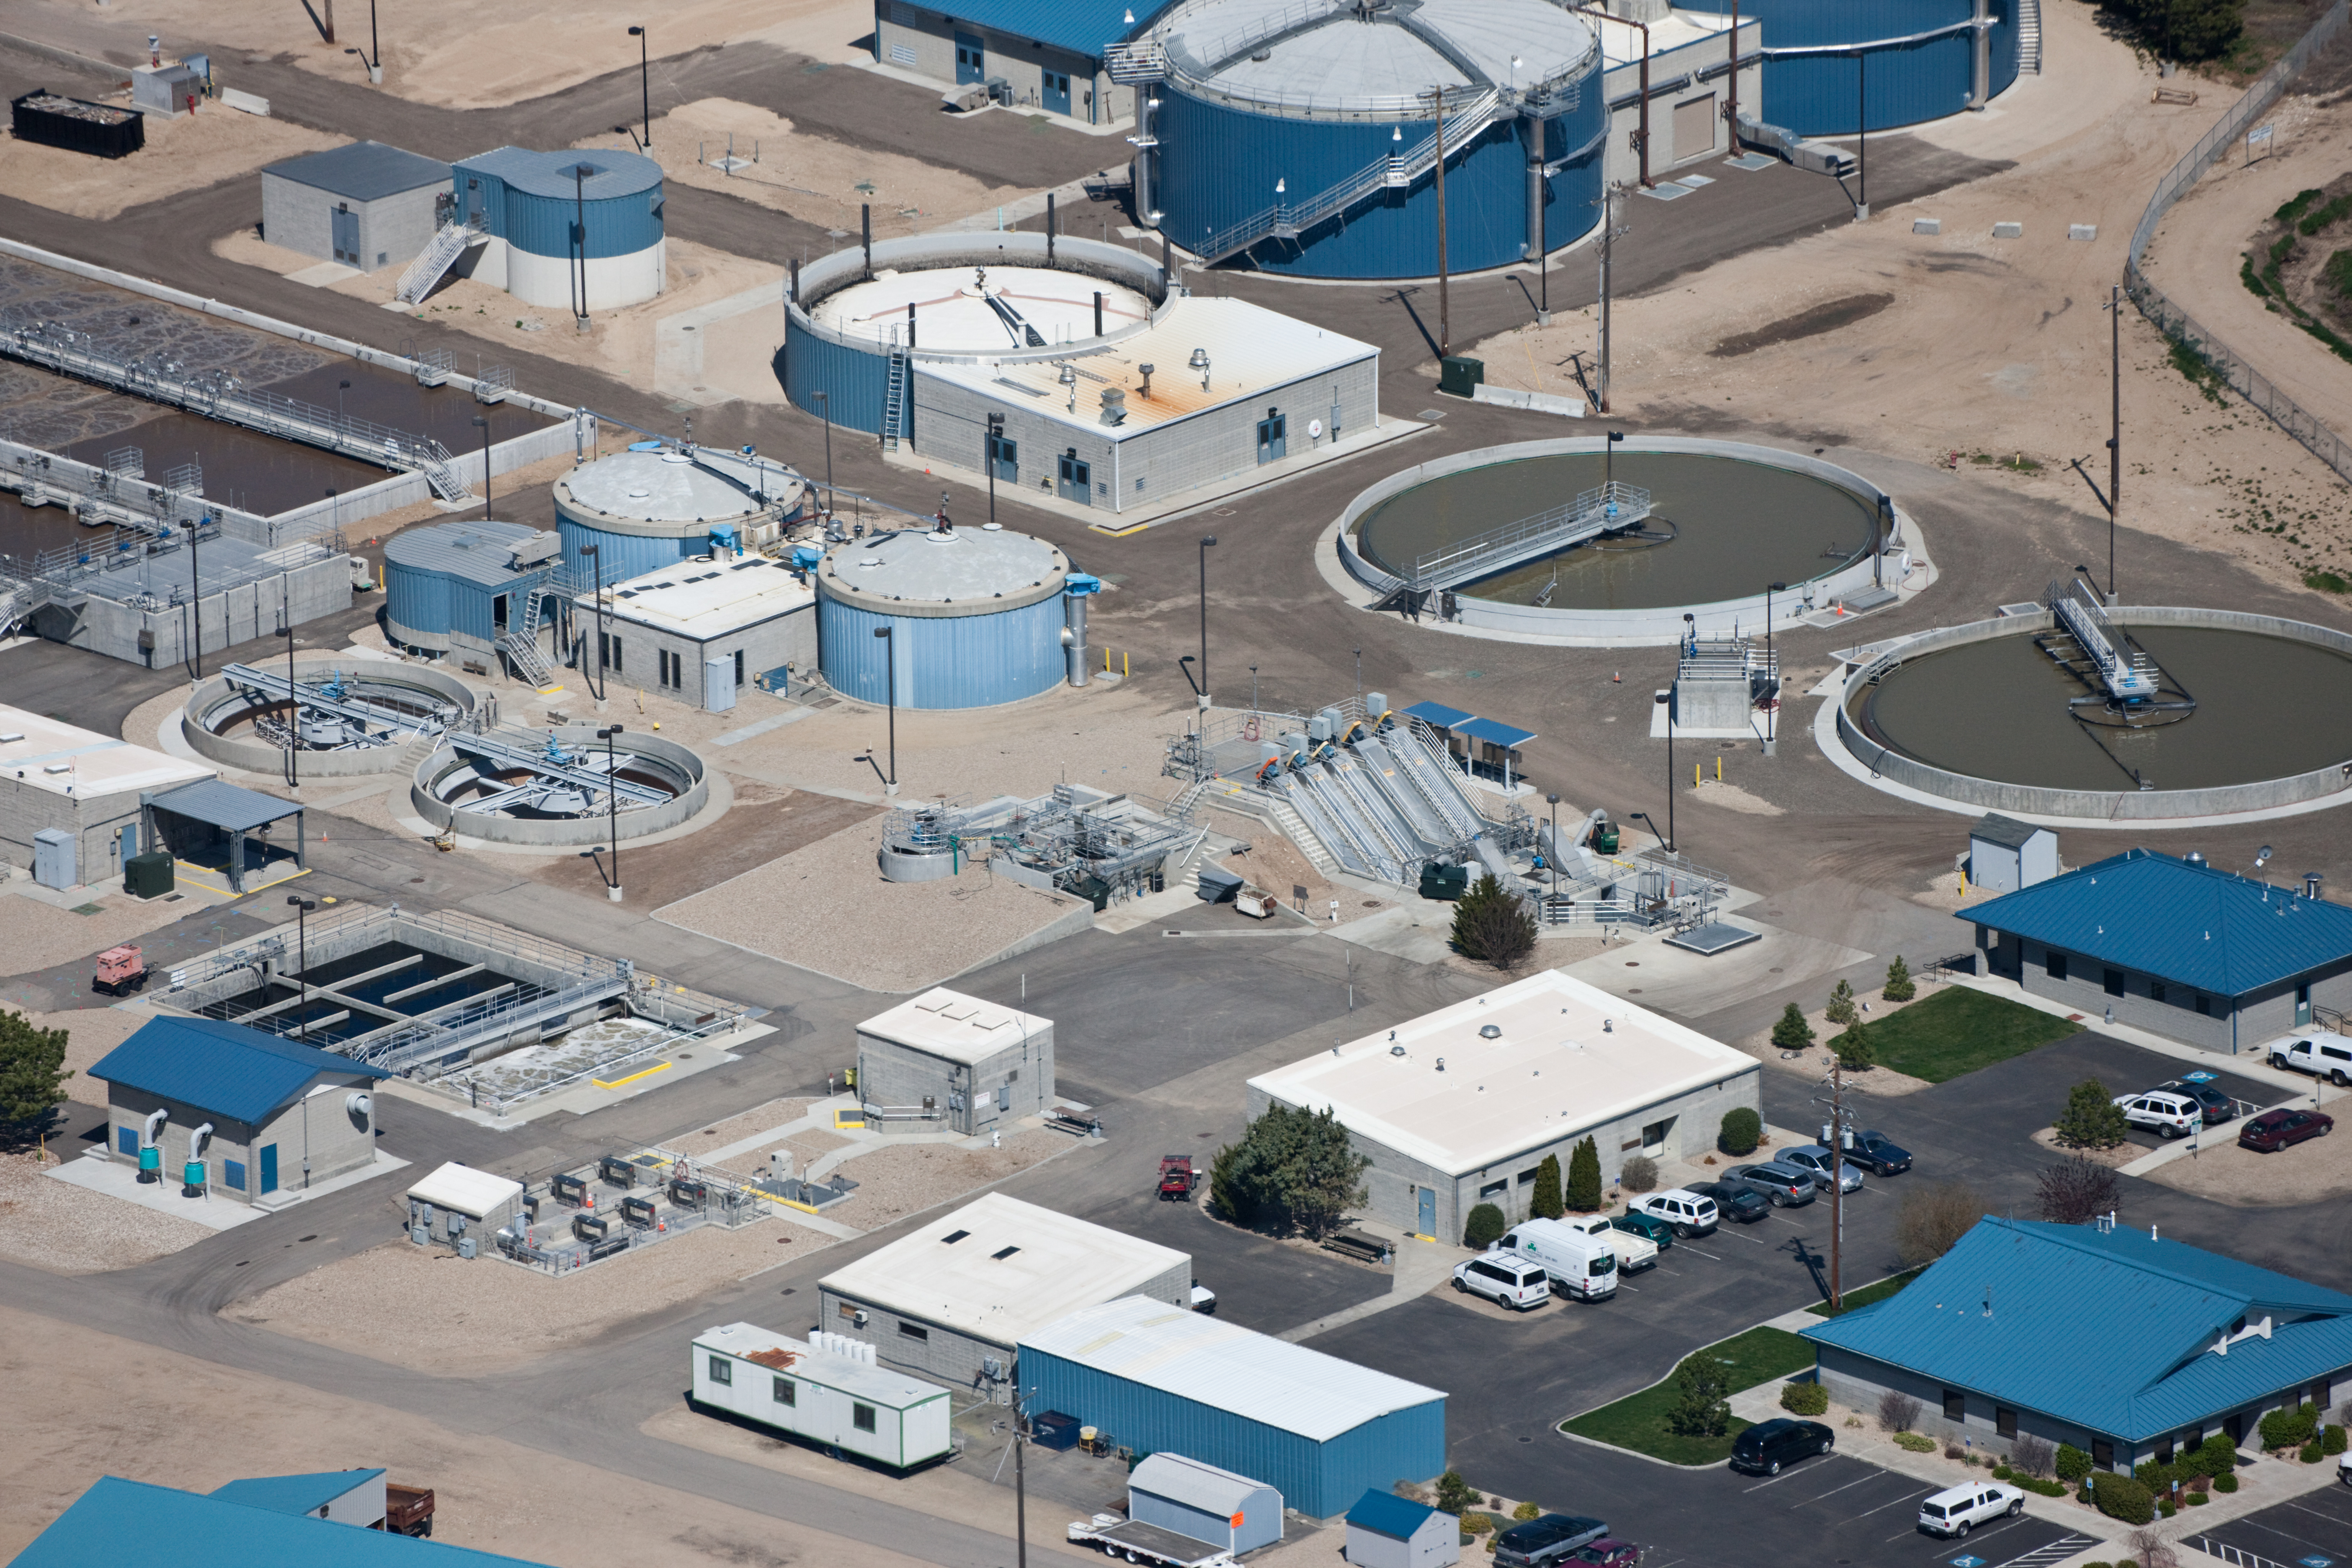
(1772, 710)
(612, 808)
(890, 679)
(995, 444)
(598, 685)
(301, 907)
(1206, 541)
(644, 85)
(1667, 697)
(1553, 859)
(340, 387)
(375, 46)
(293, 704)
(484, 426)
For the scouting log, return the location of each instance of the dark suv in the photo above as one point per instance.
(1547, 1540)
(1764, 1448)
(1880, 1154)
(1734, 1200)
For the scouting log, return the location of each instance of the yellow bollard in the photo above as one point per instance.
(1123, 671)
(1106, 661)
(1696, 768)
(1719, 768)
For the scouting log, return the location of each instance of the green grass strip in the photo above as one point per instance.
(1638, 1421)
(1867, 1296)
(1959, 1030)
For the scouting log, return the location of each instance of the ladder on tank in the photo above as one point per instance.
(2029, 38)
(521, 643)
(894, 399)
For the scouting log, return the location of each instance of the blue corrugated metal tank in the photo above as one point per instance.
(1308, 146)
(647, 510)
(531, 201)
(447, 578)
(975, 618)
(853, 379)
(1922, 57)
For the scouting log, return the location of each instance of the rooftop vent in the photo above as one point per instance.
(953, 1236)
(1490, 1031)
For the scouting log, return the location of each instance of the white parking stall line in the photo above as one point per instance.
(1688, 1248)
(1976, 1535)
(1834, 1490)
(1740, 1235)
(1775, 1481)
(2056, 1551)
(2319, 1513)
(1906, 1497)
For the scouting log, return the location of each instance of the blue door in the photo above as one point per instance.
(347, 236)
(1429, 1211)
(1273, 437)
(971, 59)
(1007, 455)
(1058, 90)
(270, 1167)
(1076, 480)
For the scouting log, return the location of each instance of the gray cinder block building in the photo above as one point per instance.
(366, 205)
(56, 779)
(948, 1062)
(1460, 1107)
(2173, 946)
(953, 1301)
(266, 1117)
(1020, 53)
(701, 630)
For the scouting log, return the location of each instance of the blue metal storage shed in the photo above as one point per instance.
(460, 584)
(1922, 59)
(558, 220)
(975, 618)
(1318, 1430)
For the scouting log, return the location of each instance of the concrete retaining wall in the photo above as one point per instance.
(1660, 625)
(571, 830)
(261, 757)
(2096, 806)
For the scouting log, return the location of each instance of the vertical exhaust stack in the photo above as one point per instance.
(150, 1154)
(192, 1173)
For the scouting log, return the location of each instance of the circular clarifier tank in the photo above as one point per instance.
(979, 309)
(1699, 526)
(2014, 715)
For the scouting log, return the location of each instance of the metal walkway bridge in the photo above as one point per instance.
(558, 781)
(362, 721)
(1612, 508)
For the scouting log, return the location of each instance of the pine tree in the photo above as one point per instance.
(32, 1075)
(1840, 1009)
(1547, 1203)
(1792, 1033)
(1493, 925)
(1899, 986)
(1699, 1409)
(1854, 1048)
(2092, 1119)
(1584, 1178)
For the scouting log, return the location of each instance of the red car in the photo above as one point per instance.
(2276, 1130)
(1607, 1553)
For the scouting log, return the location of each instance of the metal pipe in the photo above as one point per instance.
(1983, 52)
(1731, 108)
(1641, 135)
(1074, 614)
(1144, 145)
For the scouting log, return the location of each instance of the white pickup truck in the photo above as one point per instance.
(2330, 1059)
(1634, 1252)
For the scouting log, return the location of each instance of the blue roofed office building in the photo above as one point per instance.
(242, 1115)
(130, 1521)
(2208, 957)
(2126, 1345)
(1039, 54)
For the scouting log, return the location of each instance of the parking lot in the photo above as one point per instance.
(2314, 1530)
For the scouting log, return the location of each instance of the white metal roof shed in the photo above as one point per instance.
(998, 1269)
(954, 1027)
(1189, 1481)
(475, 1194)
(1213, 1362)
(1564, 1055)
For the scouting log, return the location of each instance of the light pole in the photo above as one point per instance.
(827, 416)
(1772, 711)
(890, 680)
(1667, 697)
(995, 441)
(293, 706)
(602, 678)
(1206, 541)
(1553, 859)
(196, 588)
(483, 425)
(340, 387)
(1861, 123)
(612, 809)
(301, 907)
(644, 85)
(375, 46)
(2116, 427)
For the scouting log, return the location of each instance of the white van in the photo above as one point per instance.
(1580, 1265)
(1635, 1251)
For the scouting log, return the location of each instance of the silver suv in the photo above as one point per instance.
(1814, 1161)
(1785, 1185)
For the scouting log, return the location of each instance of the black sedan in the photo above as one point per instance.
(2217, 1105)
(1734, 1200)
(1878, 1154)
(1546, 1540)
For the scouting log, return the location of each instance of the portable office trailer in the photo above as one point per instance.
(826, 1394)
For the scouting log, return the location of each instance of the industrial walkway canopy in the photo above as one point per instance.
(1486, 745)
(227, 809)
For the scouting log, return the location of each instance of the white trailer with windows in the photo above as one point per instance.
(827, 1391)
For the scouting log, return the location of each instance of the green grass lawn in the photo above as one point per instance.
(1865, 1296)
(1638, 1421)
(1957, 1031)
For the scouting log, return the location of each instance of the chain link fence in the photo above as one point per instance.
(2177, 323)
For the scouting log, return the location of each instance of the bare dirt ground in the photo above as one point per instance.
(814, 178)
(91, 1033)
(895, 1182)
(2319, 1168)
(581, 1517)
(1983, 346)
(488, 1314)
(759, 1119)
(36, 935)
(2122, 1154)
(72, 1230)
(184, 154)
(452, 53)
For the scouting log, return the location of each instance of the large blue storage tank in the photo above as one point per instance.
(653, 505)
(560, 221)
(459, 585)
(975, 618)
(1161, 1379)
(1305, 138)
(1921, 55)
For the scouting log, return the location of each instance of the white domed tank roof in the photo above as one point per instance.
(1359, 57)
(667, 488)
(969, 571)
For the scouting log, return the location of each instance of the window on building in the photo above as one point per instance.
(907, 1330)
(721, 1370)
(2164, 1451)
(2156, 990)
(2004, 1421)
(233, 1174)
(2322, 1391)
(1528, 1178)
(848, 1310)
(2204, 1006)
(2056, 962)
(2113, 981)
(2102, 1453)
(1495, 1189)
(608, 650)
(1956, 1404)
(786, 1392)
(739, 674)
(127, 1138)
(862, 1417)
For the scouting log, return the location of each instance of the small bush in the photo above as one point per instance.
(2002, 1472)
(2290, 1427)
(1640, 1174)
(1840, 1008)
(1792, 1033)
(2165, 1507)
(2039, 1487)
(2198, 1500)
(1915, 1442)
(1896, 1410)
(2227, 1481)
(1525, 1511)
(2312, 1452)
(2154, 1476)
(2332, 1439)
(2030, 1455)
(1804, 1399)
(2072, 1462)
(2122, 1497)
(1953, 1451)
(1741, 1129)
(1900, 986)
(1476, 1523)
(1484, 1228)
(2217, 1457)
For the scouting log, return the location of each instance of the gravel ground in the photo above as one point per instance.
(810, 1146)
(759, 1119)
(72, 1230)
(895, 1182)
(2321, 1168)
(827, 907)
(35, 936)
(91, 1033)
(490, 1315)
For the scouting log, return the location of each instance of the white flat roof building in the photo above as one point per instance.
(954, 1027)
(1459, 1106)
(703, 629)
(80, 789)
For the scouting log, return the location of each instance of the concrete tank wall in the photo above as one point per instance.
(261, 757)
(498, 829)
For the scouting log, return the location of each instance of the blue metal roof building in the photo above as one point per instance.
(129, 1522)
(1385, 1531)
(1154, 1377)
(2121, 1343)
(225, 1068)
(561, 221)
(2173, 946)
(346, 1497)
(459, 587)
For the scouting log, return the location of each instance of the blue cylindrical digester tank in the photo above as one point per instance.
(974, 618)
(564, 221)
(643, 511)
(1921, 60)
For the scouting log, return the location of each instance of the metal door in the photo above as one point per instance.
(1428, 1211)
(1058, 90)
(1273, 437)
(270, 1167)
(347, 236)
(2303, 1005)
(1005, 454)
(971, 59)
(1077, 480)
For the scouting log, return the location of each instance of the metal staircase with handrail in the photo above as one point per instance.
(440, 253)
